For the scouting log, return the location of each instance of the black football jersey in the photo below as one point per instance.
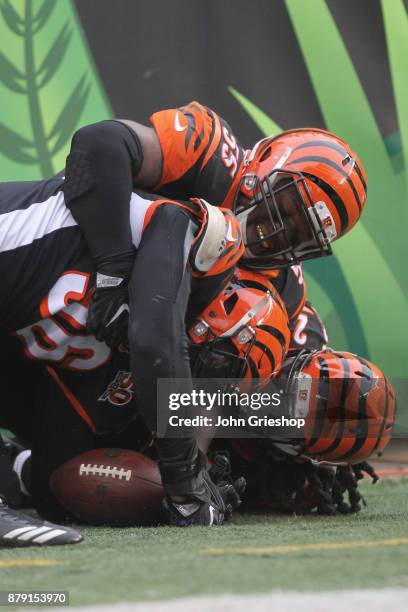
(307, 331)
(39, 240)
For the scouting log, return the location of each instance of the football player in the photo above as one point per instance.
(294, 193)
(186, 251)
(76, 408)
(314, 474)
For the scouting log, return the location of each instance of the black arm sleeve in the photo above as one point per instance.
(159, 290)
(100, 168)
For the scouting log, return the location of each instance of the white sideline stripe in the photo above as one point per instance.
(21, 227)
(49, 536)
(370, 600)
(16, 532)
(31, 534)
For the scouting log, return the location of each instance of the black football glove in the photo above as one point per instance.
(230, 490)
(214, 503)
(108, 311)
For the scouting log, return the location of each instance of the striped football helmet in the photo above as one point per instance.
(242, 334)
(299, 191)
(348, 405)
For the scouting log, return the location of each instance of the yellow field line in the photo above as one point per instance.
(28, 562)
(262, 550)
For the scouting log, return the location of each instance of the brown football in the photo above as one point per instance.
(110, 486)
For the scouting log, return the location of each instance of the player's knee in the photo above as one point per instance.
(98, 139)
(95, 149)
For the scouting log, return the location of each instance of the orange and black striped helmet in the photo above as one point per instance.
(243, 334)
(347, 403)
(302, 189)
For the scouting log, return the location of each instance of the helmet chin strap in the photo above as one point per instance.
(243, 220)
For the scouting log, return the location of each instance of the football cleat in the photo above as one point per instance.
(19, 530)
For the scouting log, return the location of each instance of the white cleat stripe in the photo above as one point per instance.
(49, 536)
(16, 532)
(34, 532)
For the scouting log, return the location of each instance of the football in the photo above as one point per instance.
(110, 486)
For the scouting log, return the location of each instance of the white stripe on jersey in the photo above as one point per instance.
(138, 209)
(21, 227)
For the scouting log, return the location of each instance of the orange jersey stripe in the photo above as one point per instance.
(75, 403)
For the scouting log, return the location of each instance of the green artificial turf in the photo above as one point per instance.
(114, 565)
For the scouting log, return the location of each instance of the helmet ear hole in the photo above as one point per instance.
(230, 302)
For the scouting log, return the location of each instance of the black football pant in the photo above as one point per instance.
(43, 418)
(9, 485)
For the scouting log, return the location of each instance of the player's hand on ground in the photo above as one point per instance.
(213, 503)
(230, 490)
(108, 311)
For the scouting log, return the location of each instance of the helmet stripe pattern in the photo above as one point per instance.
(342, 411)
(266, 352)
(321, 403)
(367, 382)
(360, 175)
(252, 367)
(250, 284)
(341, 209)
(344, 153)
(351, 407)
(387, 408)
(276, 333)
(328, 162)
